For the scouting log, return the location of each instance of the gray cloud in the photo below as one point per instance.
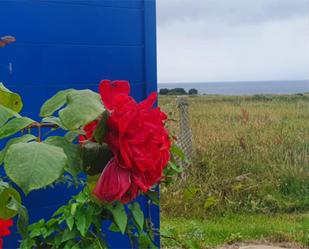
(230, 11)
(216, 40)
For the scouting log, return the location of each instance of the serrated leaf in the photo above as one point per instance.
(8, 199)
(72, 151)
(82, 107)
(55, 103)
(9, 99)
(137, 213)
(13, 126)
(23, 139)
(119, 214)
(34, 165)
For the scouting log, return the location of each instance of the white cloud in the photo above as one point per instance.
(219, 49)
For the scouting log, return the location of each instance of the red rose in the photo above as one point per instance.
(4, 230)
(139, 141)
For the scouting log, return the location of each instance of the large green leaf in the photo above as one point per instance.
(138, 214)
(55, 103)
(14, 126)
(23, 139)
(119, 214)
(72, 152)
(9, 99)
(6, 195)
(82, 107)
(34, 165)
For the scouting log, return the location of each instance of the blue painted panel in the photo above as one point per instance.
(74, 44)
(39, 22)
(58, 64)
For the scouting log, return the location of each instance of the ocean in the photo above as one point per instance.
(244, 88)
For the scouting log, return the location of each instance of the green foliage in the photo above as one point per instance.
(72, 152)
(9, 99)
(55, 103)
(80, 107)
(34, 165)
(7, 194)
(23, 139)
(79, 225)
(13, 126)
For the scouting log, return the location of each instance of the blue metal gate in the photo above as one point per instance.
(75, 43)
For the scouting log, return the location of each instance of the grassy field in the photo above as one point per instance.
(252, 157)
(207, 233)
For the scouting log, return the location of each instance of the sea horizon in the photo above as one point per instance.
(243, 87)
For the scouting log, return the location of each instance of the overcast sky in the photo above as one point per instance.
(230, 40)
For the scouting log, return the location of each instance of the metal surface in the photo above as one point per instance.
(74, 44)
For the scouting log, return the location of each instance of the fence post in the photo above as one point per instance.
(185, 138)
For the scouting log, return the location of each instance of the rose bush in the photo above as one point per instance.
(121, 146)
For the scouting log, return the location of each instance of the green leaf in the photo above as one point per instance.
(55, 103)
(114, 228)
(53, 120)
(138, 214)
(95, 157)
(145, 242)
(23, 139)
(14, 126)
(6, 114)
(23, 221)
(70, 222)
(34, 165)
(101, 128)
(176, 150)
(72, 152)
(9, 99)
(119, 214)
(8, 198)
(72, 135)
(81, 223)
(82, 107)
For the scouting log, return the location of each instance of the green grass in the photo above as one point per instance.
(235, 228)
(264, 138)
(252, 158)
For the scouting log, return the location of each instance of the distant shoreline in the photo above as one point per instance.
(243, 87)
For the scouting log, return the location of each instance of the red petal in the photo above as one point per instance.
(113, 183)
(109, 89)
(149, 102)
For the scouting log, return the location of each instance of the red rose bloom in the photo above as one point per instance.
(4, 230)
(139, 141)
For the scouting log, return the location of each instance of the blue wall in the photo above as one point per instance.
(75, 43)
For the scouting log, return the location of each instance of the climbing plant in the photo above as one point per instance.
(113, 148)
